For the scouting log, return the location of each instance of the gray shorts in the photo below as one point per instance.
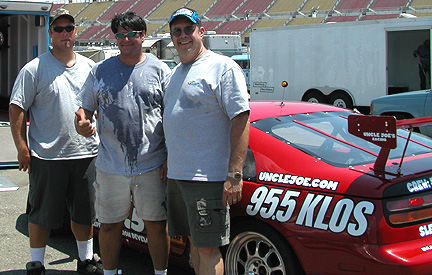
(114, 194)
(195, 209)
(57, 185)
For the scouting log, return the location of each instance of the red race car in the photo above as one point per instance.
(327, 191)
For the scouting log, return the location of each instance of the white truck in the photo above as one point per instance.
(343, 64)
(23, 36)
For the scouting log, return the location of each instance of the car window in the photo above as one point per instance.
(171, 64)
(325, 136)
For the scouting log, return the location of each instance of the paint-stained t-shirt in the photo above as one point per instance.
(128, 101)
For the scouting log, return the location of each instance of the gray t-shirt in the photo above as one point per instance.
(47, 88)
(129, 104)
(201, 99)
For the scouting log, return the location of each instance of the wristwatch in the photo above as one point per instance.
(235, 175)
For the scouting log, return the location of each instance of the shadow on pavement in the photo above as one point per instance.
(131, 261)
(47, 272)
(62, 241)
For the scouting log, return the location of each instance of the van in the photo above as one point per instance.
(243, 61)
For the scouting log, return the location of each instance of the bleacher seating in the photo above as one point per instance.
(75, 8)
(118, 8)
(200, 6)
(352, 5)
(80, 29)
(422, 14)
(388, 4)
(305, 21)
(319, 5)
(94, 11)
(103, 34)
(143, 7)
(210, 25)
(269, 23)
(421, 4)
(56, 7)
(253, 7)
(90, 32)
(285, 6)
(151, 28)
(379, 16)
(266, 23)
(234, 27)
(163, 30)
(165, 10)
(342, 18)
(224, 8)
(239, 16)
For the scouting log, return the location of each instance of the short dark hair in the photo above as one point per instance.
(129, 21)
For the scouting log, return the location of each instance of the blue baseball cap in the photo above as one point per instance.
(188, 13)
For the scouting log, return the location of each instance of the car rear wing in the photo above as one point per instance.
(381, 131)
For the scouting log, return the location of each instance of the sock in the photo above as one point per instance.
(85, 249)
(161, 272)
(37, 254)
(110, 272)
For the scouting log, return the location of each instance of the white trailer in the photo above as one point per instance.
(343, 64)
(23, 36)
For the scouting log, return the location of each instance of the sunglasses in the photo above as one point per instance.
(187, 30)
(60, 29)
(131, 34)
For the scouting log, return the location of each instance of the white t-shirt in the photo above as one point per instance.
(47, 88)
(201, 99)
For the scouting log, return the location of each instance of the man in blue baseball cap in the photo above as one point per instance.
(206, 100)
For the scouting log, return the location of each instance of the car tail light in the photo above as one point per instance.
(402, 211)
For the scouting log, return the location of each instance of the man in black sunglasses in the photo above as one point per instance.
(206, 125)
(59, 161)
(127, 91)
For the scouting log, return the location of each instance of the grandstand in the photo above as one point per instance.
(76, 8)
(165, 9)
(200, 6)
(285, 7)
(117, 8)
(234, 16)
(94, 11)
(222, 8)
(318, 5)
(253, 7)
(352, 5)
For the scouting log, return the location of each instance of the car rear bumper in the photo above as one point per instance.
(410, 257)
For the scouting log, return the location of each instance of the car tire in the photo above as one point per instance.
(341, 100)
(256, 248)
(314, 97)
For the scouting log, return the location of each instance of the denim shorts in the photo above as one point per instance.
(115, 192)
(195, 209)
(58, 185)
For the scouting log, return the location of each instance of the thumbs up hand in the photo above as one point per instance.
(83, 125)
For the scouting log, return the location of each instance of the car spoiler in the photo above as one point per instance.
(381, 131)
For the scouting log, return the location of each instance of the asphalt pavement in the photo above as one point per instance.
(61, 252)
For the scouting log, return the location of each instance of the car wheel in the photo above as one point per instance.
(314, 97)
(259, 249)
(341, 100)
